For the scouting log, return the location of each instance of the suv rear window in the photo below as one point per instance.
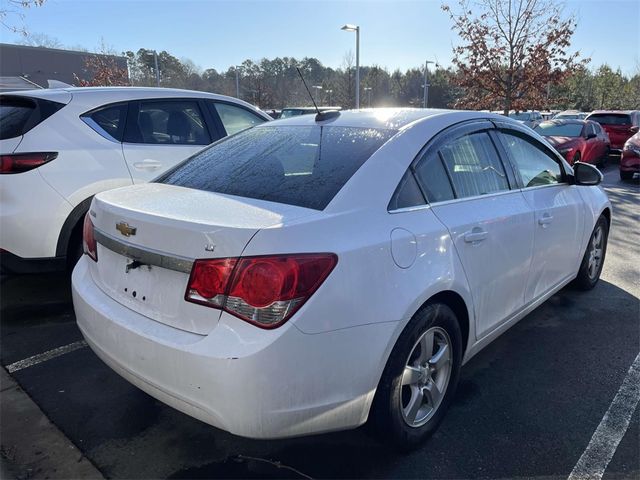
(611, 118)
(297, 165)
(18, 114)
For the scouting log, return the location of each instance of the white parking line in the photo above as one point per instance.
(612, 428)
(43, 357)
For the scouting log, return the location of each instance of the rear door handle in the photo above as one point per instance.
(545, 220)
(147, 165)
(475, 235)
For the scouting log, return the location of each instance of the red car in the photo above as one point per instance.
(630, 160)
(619, 125)
(577, 140)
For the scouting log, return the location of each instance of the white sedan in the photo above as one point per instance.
(309, 274)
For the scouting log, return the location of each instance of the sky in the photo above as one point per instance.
(219, 34)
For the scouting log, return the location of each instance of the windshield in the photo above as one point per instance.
(297, 165)
(521, 116)
(552, 129)
(611, 118)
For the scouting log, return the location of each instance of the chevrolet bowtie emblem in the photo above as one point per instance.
(125, 229)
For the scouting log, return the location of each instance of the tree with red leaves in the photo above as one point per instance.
(104, 72)
(511, 52)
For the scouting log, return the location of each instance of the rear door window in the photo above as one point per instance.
(170, 122)
(235, 119)
(108, 121)
(297, 165)
(20, 114)
(611, 118)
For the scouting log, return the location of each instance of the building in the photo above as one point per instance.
(24, 67)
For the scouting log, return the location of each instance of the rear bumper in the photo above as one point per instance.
(251, 382)
(10, 263)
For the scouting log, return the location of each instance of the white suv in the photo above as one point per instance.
(60, 147)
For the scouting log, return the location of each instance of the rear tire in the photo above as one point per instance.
(420, 378)
(593, 259)
(604, 159)
(576, 158)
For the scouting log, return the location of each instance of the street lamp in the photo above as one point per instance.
(329, 91)
(355, 28)
(156, 69)
(318, 88)
(368, 89)
(426, 82)
(237, 69)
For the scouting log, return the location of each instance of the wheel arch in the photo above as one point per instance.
(607, 214)
(71, 225)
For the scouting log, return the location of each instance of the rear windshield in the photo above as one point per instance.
(521, 116)
(18, 115)
(552, 129)
(297, 165)
(611, 118)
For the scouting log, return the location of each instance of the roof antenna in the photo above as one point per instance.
(327, 114)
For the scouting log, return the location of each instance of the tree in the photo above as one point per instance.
(101, 69)
(40, 40)
(511, 51)
(9, 9)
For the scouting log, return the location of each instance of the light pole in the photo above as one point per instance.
(318, 88)
(155, 61)
(236, 68)
(368, 90)
(330, 91)
(426, 82)
(355, 28)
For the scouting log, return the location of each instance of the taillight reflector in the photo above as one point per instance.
(23, 162)
(265, 291)
(89, 244)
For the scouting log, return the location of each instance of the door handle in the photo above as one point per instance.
(475, 235)
(545, 220)
(147, 165)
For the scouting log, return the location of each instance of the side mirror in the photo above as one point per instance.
(586, 174)
(590, 136)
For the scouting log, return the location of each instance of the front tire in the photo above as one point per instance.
(625, 176)
(593, 259)
(420, 378)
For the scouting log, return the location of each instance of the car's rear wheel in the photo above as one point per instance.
(420, 378)
(593, 259)
(576, 157)
(604, 159)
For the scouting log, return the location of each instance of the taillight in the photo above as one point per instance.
(265, 291)
(89, 245)
(23, 162)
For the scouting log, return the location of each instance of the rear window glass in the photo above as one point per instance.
(296, 165)
(20, 114)
(611, 119)
(108, 121)
(554, 129)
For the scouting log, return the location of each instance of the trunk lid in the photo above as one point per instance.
(148, 236)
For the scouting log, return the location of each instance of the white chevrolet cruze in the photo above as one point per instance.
(60, 147)
(309, 274)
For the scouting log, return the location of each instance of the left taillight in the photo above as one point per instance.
(23, 162)
(89, 245)
(265, 291)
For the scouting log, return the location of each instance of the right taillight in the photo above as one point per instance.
(265, 291)
(89, 245)
(23, 162)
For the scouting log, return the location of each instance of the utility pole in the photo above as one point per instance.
(155, 61)
(237, 81)
(426, 82)
(368, 90)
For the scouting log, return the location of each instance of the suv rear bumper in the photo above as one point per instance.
(10, 263)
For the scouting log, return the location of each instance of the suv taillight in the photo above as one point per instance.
(89, 245)
(23, 162)
(265, 291)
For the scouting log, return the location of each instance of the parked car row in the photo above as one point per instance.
(63, 146)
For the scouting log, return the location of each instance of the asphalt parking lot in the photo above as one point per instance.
(527, 406)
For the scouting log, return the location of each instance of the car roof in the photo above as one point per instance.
(105, 95)
(612, 112)
(391, 118)
(568, 121)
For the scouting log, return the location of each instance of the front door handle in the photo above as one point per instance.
(147, 165)
(545, 220)
(475, 235)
